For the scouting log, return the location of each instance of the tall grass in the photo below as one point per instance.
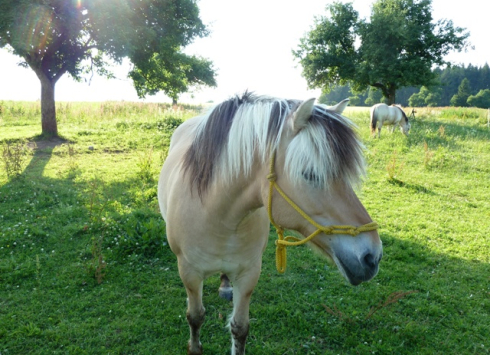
(85, 267)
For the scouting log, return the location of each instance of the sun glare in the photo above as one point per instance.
(32, 28)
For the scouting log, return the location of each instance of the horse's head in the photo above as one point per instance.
(406, 126)
(318, 160)
(404, 123)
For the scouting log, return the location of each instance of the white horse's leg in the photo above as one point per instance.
(380, 124)
(195, 310)
(239, 321)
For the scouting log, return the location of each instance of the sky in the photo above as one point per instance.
(250, 45)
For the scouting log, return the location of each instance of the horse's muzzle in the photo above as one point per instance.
(362, 270)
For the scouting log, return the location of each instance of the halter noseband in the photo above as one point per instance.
(283, 242)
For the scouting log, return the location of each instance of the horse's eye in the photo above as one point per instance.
(311, 177)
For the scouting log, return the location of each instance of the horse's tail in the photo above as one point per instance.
(374, 120)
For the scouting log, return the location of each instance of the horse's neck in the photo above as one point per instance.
(238, 198)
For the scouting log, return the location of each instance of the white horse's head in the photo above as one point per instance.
(404, 123)
(406, 127)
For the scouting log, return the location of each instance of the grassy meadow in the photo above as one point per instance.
(85, 267)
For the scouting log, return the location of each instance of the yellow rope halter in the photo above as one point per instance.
(282, 242)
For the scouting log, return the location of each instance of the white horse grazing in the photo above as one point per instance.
(388, 115)
(249, 152)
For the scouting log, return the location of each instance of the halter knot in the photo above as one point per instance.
(327, 230)
(352, 231)
(272, 177)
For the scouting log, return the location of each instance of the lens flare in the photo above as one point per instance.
(31, 30)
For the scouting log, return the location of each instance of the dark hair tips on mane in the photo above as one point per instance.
(206, 148)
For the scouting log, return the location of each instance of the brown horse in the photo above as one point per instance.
(230, 170)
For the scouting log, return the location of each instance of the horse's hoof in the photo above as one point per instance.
(226, 293)
(197, 351)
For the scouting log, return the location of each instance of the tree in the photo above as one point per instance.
(335, 95)
(159, 74)
(484, 80)
(374, 97)
(397, 47)
(480, 100)
(450, 79)
(433, 97)
(464, 91)
(55, 37)
(426, 97)
(418, 99)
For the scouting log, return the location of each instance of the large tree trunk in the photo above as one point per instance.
(389, 92)
(391, 99)
(391, 95)
(48, 108)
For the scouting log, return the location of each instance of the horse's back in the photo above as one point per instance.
(387, 114)
(380, 110)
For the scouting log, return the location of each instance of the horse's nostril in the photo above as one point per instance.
(369, 260)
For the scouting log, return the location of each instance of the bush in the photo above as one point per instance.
(14, 157)
(169, 124)
(141, 233)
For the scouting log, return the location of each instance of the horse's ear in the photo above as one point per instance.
(340, 107)
(303, 114)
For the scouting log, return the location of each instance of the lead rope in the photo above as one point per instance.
(283, 242)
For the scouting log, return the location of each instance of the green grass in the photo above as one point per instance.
(85, 268)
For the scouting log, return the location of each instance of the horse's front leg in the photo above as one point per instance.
(243, 287)
(193, 283)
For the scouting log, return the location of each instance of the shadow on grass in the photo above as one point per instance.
(413, 187)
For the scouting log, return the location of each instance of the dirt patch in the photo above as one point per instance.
(47, 144)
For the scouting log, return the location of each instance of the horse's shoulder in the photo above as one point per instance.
(185, 132)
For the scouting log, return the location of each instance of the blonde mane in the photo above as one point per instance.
(243, 127)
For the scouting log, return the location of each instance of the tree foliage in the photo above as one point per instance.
(461, 97)
(55, 37)
(426, 97)
(396, 48)
(481, 100)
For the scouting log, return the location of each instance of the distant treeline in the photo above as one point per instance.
(455, 86)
